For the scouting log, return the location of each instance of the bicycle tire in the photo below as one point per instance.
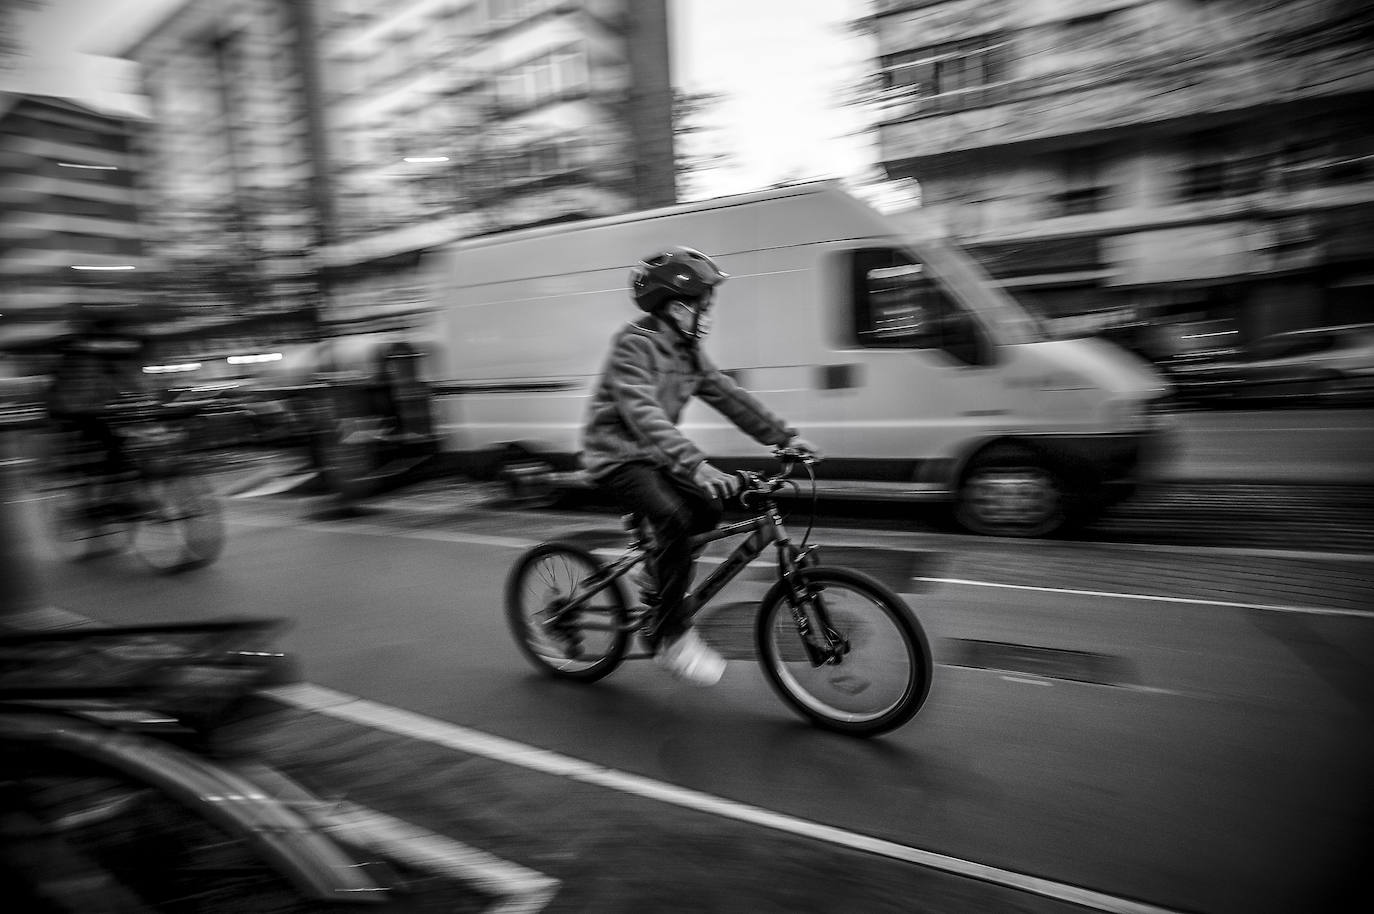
(884, 638)
(546, 573)
(183, 530)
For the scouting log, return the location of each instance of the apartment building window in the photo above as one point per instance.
(1324, 154)
(1220, 164)
(560, 74)
(572, 71)
(1083, 189)
(956, 66)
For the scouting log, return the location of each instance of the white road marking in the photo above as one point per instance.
(364, 529)
(517, 890)
(511, 542)
(1190, 601)
(343, 706)
(1027, 681)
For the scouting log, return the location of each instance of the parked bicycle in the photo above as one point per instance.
(840, 648)
(126, 788)
(161, 506)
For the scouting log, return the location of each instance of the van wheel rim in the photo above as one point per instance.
(1022, 498)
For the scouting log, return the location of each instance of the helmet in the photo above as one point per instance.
(675, 273)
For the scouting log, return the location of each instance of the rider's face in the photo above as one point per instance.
(694, 313)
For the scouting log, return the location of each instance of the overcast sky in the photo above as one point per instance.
(782, 65)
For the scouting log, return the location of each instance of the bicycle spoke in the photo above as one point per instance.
(584, 642)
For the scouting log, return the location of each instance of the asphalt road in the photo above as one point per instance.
(1293, 446)
(1144, 729)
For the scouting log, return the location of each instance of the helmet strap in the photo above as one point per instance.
(689, 336)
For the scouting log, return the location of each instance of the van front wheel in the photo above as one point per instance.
(1010, 492)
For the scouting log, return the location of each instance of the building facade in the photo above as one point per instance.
(340, 139)
(232, 209)
(1141, 161)
(69, 231)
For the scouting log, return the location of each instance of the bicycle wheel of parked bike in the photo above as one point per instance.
(584, 644)
(182, 526)
(882, 674)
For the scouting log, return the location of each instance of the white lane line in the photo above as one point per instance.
(511, 542)
(517, 890)
(1190, 601)
(928, 542)
(362, 529)
(512, 887)
(347, 707)
(1027, 680)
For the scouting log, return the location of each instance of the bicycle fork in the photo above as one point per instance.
(823, 644)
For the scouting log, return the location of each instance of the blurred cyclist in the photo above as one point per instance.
(97, 369)
(633, 448)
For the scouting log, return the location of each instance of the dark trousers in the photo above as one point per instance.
(676, 510)
(96, 434)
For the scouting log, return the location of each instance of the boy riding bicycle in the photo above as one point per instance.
(633, 448)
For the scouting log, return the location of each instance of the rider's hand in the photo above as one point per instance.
(715, 482)
(804, 447)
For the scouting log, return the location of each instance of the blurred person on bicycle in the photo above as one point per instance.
(633, 449)
(98, 368)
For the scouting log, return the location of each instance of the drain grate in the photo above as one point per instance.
(1049, 662)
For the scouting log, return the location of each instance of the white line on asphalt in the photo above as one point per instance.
(1023, 679)
(361, 529)
(340, 705)
(1190, 601)
(511, 542)
(928, 541)
(517, 890)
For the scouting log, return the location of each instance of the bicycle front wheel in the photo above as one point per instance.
(181, 527)
(879, 674)
(582, 644)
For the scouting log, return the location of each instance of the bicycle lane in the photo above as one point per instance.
(611, 851)
(975, 776)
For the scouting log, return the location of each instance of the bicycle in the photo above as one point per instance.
(841, 649)
(161, 506)
(122, 762)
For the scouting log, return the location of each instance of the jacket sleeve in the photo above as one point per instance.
(634, 390)
(741, 407)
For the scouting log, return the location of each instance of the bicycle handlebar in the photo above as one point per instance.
(755, 484)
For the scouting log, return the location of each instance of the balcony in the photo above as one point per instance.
(1117, 97)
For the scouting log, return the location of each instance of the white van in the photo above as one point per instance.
(887, 347)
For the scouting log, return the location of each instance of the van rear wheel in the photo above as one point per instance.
(1011, 492)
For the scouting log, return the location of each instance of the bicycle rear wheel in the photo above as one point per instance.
(182, 527)
(583, 644)
(882, 674)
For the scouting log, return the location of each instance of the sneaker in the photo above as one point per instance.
(689, 658)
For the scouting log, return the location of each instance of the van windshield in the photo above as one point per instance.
(1011, 322)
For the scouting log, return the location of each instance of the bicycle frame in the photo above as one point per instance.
(764, 529)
